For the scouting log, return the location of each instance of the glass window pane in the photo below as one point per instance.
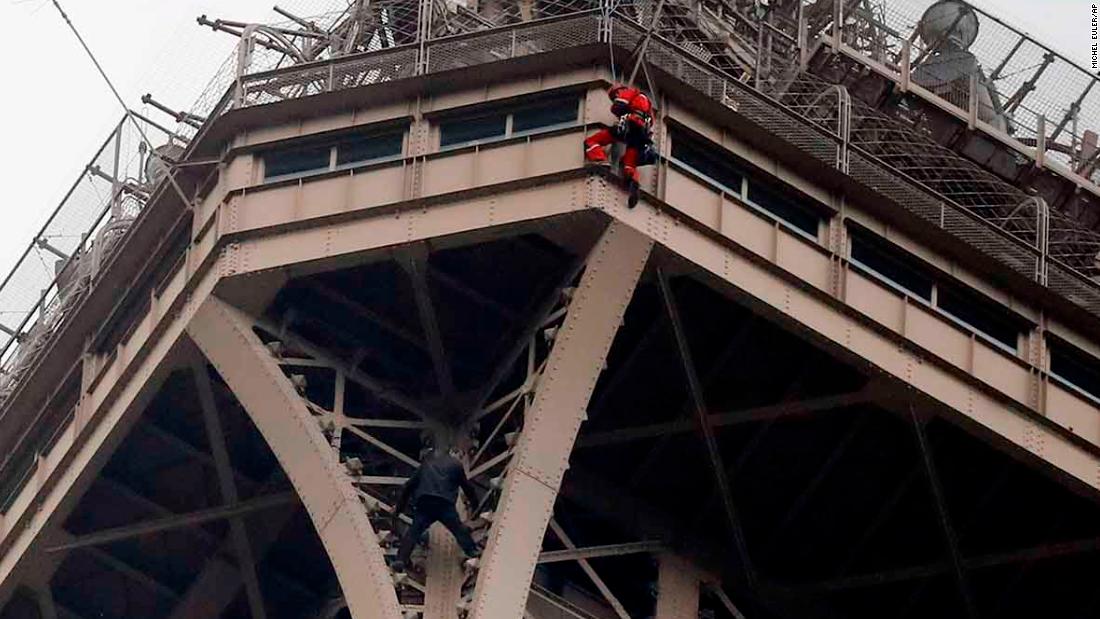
(466, 130)
(366, 148)
(980, 313)
(544, 115)
(707, 161)
(295, 161)
(1076, 367)
(784, 208)
(891, 263)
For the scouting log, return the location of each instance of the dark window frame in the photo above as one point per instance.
(507, 114)
(895, 259)
(1059, 351)
(334, 145)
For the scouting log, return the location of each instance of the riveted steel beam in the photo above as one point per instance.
(678, 583)
(224, 334)
(551, 425)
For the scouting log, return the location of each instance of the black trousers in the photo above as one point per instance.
(428, 511)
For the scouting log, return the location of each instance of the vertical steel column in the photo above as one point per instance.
(542, 454)
(444, 574)
(677, 588)
(224, 335)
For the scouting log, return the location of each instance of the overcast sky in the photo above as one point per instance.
(55, 111)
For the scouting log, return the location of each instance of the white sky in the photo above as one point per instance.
(55, 110)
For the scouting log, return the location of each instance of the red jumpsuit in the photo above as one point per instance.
(635, 113)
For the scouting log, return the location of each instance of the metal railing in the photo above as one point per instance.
(1023, 90)
(61, 262)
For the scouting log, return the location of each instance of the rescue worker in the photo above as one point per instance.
(433, 489)
(635, 122)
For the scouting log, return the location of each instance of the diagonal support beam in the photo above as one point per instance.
(551, 425)
(228, 487)
(729, 418)
(586, 567)
(191, 519)
(950, 537)
(225, 336)
(703, 420)
(416, 266)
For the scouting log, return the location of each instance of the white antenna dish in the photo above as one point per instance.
(949, 24)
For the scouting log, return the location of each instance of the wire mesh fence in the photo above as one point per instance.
(1023, 87)
(54, 272)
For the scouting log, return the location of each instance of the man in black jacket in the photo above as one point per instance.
(434, 489)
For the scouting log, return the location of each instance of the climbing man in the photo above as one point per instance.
(434, 489)
(635, 122)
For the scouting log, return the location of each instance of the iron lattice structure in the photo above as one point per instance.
(590, 359)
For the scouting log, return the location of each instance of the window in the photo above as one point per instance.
(468, 130)
(368, 148)
(784, 208)
(550, 114)
(296, 161)
(715, 163)
(319, 157)
(480, 126)
(984, 315)
(1076, 367)
(891, 263)
(708, 162)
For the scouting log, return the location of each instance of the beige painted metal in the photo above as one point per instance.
(444, 574)
(225, 336)
(341, 239)
(795, 284)
(678, 583)
(112, 401)
(550, 428)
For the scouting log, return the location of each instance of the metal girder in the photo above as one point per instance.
(416, 266)
(678, 583)
(727, 418)
(217, 584)
(444, 574)
(702, 418)
(586, 567)
(542, 454)
(197, 517)
(227, 487)
(354, 374)
(593, 552)
(950, 538)
(1023, 555)
(225, 336)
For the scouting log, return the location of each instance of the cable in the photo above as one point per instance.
(645, 41)
(171, 167)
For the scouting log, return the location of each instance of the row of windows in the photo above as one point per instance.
(1068, 363)
(906, 272)
(456, 131)
(714, 162)
(348, 151)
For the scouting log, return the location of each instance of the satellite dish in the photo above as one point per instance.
(949, 23)
(155, 168)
